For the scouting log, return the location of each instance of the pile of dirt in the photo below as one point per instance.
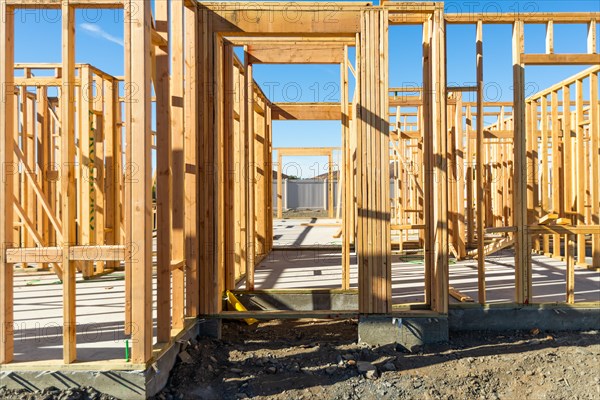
(321, 360)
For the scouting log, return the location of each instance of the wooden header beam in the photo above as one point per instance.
(529, 18)
(307, 111)
(305, 151)
(245, 19)
(560, 59)
(296, 53)
(46, 4)
(273, 40)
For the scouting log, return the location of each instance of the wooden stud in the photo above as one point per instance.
(7, 112)
(68, 181)
(591, 38)
(544, 165)
(249, 174)
(346, 173)
(479, 168)
(164, 182)
(570, 257)
(594, 132)
(139, 235)
(581, 170)
(178, 161)
(330, 203)
(86, 173)
(439, 299)
(230, 177)
(550, 37)
(557, 173)
(192, 159)
(522, 250)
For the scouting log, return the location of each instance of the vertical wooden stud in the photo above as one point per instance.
(8, 170)
(67, 178)
(164, 184)
(139, 178)
(479, 168)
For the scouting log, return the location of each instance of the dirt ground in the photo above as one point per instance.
(308, 359)
(320, 360)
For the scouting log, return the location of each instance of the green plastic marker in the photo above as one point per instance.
(126, 350)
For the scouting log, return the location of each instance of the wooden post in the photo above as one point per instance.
(98, 157)
(330, 204)
(522, 250)
(549, 37)
(581, 168)
(219, 190)
(164, 184)
(479, 165)
(178, 164)
(242, 169)
(192, 159)
(469, 178)
(8, 171)
(86, 177)
(345, 170)
(594, 130)
(427, 170)
(125, 180)
(570, 257)
(139, 178)
(112, 155)
(439, 295)
(545, 181)
(259, 185)
(67, 179)
(279, 185)
(373, 162)
(249, 173)
(557, 174)
(29, 162)
(460, 177)
(591, 38)
(44, 152)
(567, 153)
(228, 123)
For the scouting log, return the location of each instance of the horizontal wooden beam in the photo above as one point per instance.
(501, 229)
(44, 4)
(76, 253)
(307, 111)
(509, 18)
(405, 101)
(408, 227)
(296, 53)
(563, 229)
(249, 19)
(305, 151)
(560, 59)
(42, 81)
(275, 40)
(408, 18)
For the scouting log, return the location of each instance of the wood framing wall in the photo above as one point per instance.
(462, 188)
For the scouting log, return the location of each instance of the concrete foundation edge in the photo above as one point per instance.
(524, 318)
(125, 385)
(410, 333)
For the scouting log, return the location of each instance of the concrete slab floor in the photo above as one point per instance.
(321, 269)
(100, 317)
(292, 232)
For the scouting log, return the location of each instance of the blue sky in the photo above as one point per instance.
(99, 37)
